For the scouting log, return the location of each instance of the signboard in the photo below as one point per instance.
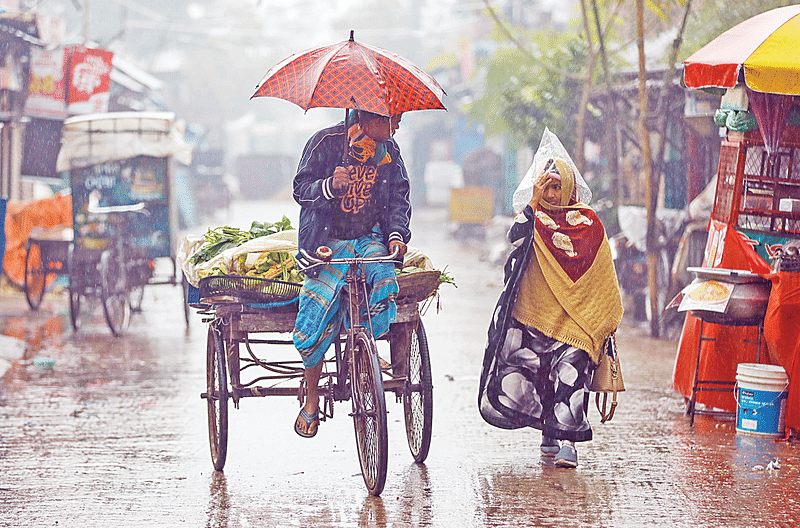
(711, 296)
(89, 81)
(471, 205)
(123, 182)
(47, 84)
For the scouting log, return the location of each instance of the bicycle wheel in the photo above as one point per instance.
(35, 275)
(114, 292)
(217, 397)
(75, 289)
(418, 396)
(369, 412)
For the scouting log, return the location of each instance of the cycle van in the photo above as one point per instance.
(121, 165)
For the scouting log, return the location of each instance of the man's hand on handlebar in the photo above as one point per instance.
(400, 246)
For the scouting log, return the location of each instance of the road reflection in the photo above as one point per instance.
(729, 476)
(542, 495)
(218, 501)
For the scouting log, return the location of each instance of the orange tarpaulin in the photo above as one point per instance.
(726, 248)
(21, 219)
(782, 333)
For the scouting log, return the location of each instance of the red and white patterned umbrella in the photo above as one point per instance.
(351, 74)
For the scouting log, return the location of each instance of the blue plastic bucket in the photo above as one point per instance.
(761, 392)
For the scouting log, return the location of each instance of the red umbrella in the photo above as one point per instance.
(351, 74)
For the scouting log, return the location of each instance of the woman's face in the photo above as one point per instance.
(552, 192)
(382, 128)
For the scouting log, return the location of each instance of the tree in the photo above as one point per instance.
(529, 88)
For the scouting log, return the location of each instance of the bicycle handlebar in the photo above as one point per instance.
(317, 261)
(94, 207)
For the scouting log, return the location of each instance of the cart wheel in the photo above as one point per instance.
(217, 397)
(185, 291)
(114, 292)
(35, 275)
(418, 396)
(75, 289)
(369, 412)
(135, 297)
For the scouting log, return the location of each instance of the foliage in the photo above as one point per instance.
(526, 90)
(710, 18)
(218, 239)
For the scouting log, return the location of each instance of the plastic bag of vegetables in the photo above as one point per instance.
(266, 250)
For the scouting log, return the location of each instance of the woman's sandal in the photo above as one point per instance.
(308, 419)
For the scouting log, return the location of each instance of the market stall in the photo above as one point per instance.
(756, 209)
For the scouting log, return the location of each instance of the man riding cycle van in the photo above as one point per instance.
(353, 191)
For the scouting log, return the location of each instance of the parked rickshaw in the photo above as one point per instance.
(124, 209)
(46, 254)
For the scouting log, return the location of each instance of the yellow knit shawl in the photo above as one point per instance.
(580, 313)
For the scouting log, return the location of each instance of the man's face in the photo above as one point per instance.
(381, 128)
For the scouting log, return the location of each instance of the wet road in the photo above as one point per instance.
(99, 431)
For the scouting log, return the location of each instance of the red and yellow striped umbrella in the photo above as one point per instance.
(766, 47)
(351, 74)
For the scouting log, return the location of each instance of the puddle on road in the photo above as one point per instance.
(115, 429)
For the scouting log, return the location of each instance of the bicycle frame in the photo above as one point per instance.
(356, 294)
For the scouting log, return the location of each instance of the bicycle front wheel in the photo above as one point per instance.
(75, 288)
(114, 292)
(369, 412)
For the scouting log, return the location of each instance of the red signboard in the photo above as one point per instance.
(47, 85)
(89, 80)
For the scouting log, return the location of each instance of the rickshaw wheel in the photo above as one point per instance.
(369, 413)
(217, 397)
(185, 291)
(114, 292)
(75, 289)
(418, 396)
(136, 296)
(35, 275)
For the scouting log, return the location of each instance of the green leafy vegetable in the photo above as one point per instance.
(218, 239)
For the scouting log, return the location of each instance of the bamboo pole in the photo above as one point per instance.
(651, 193)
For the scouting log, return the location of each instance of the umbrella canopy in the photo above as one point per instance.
(351, 74)
(766, 46)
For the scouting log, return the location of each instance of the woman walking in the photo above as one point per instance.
(559, 303)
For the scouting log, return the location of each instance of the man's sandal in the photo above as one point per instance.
(308, 419)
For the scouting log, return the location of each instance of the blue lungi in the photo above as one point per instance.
(319, 316)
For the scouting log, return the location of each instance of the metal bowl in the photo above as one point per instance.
(747, 305)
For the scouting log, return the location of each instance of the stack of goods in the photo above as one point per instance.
(265, 251)
(261, 259)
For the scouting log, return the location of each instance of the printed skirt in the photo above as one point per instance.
(543, 383)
